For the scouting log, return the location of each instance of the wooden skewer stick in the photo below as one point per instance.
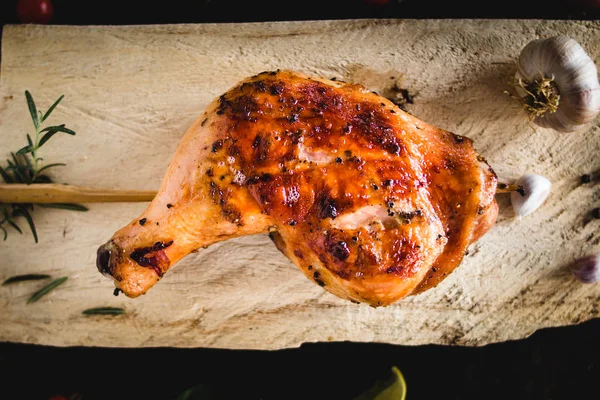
(57, 193)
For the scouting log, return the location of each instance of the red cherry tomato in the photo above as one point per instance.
(34, 11)
(58, 397)
(376, 2)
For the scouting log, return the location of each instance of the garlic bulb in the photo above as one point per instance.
(536, 189)
(587, 269)
(558, 83)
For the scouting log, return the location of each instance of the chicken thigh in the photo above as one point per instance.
(369, 202)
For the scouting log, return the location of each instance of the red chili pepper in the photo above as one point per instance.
(35, 11)
(58, 397)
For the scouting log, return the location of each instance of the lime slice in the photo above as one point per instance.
(393, 388)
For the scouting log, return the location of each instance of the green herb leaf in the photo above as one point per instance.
(52, 107)
(23, 211)
(59, 128)
(29, 140)
(14, 225)
(15, 159)
(42, 179)
(18, 174)
(24, 150)
(5, 232)
(51, 165)
(32, 109)
(29, 168)
(27, 277)
(48, 135)
(65, 206)
(104, 311)
(47, 289)
(7, 178)
(22, 167)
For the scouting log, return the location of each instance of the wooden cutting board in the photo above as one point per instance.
(132, 92)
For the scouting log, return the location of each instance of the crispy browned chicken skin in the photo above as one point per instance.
(369, 202)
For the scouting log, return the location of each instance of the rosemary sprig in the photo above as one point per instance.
(24, 166)
(104, 311)
(53, 285)
(47, 289)
(23, 278)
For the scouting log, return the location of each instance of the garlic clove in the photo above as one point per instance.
(558, 82)
(536, 189)
(587, 269)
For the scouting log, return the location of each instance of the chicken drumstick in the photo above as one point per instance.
(369, 202)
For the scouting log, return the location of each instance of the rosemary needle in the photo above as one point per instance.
(47, 289)
(22, 278)
(104, 311)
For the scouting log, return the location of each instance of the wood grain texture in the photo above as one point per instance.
(132, 92)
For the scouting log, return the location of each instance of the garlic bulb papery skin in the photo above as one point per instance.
(571, 71)
(587, 269)
(536, 189)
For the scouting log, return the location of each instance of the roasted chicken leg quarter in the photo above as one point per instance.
(369, 202)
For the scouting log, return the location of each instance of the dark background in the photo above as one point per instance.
(177, 11)
(556, 363)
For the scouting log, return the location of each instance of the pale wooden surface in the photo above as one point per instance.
(131, 93)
